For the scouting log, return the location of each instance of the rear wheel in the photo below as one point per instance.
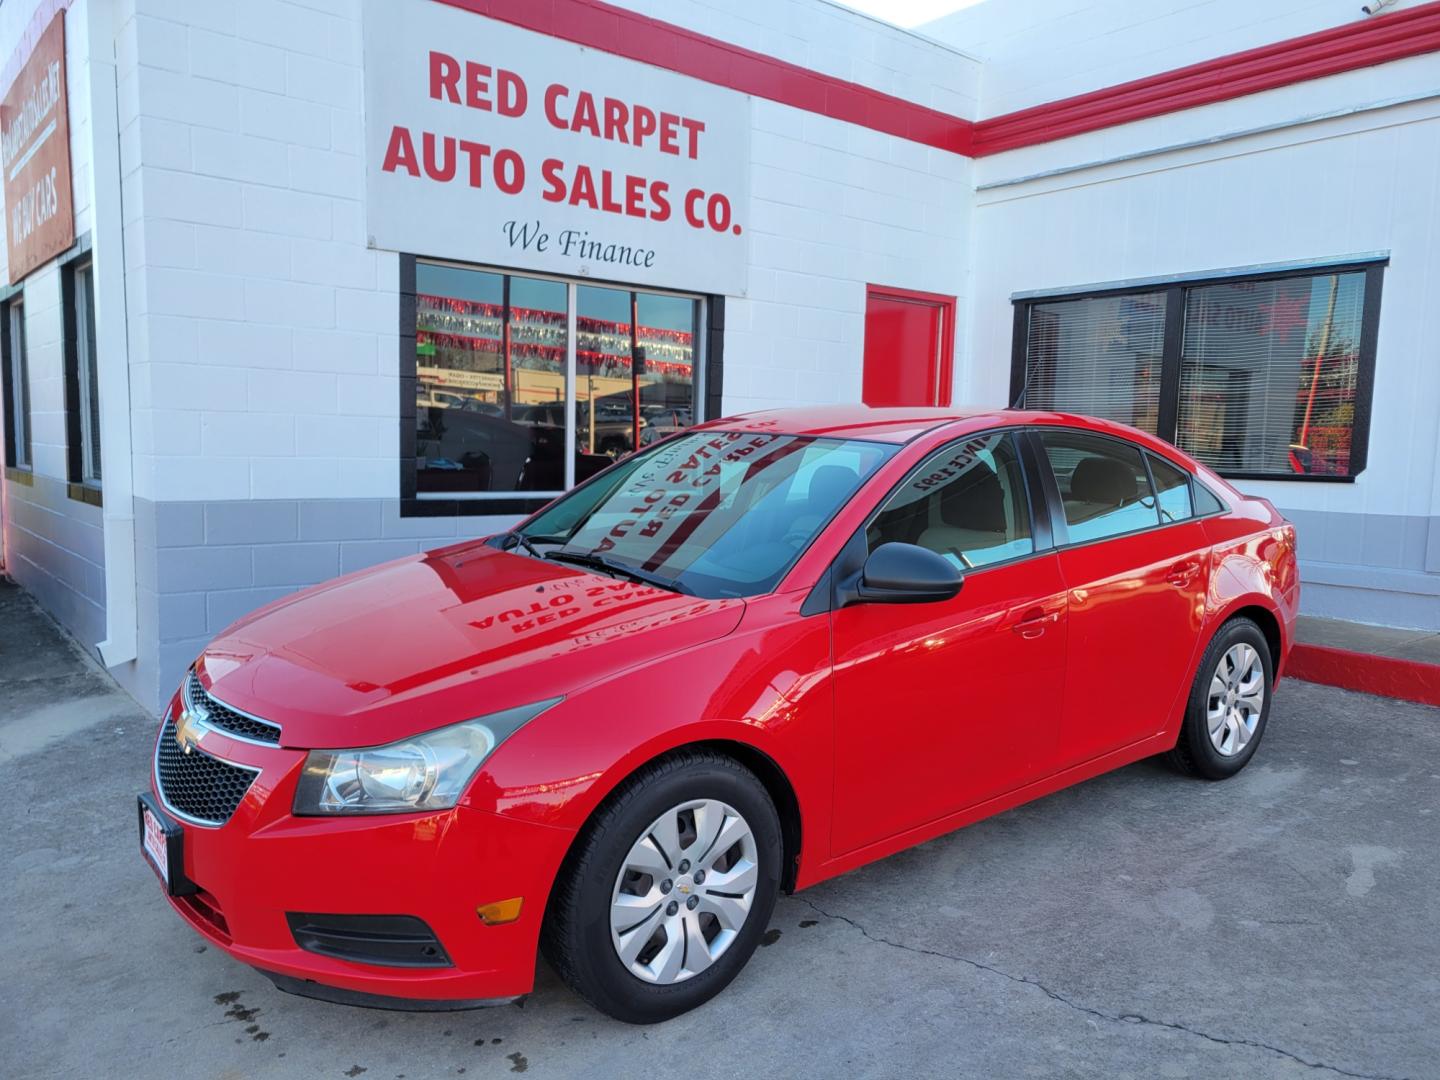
(668, 890)
(1229, 704)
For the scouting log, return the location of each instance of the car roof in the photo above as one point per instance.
(881, 424)
(900, 424)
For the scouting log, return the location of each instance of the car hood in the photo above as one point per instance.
(440, 638)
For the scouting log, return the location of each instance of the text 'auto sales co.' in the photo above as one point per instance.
(616, 171)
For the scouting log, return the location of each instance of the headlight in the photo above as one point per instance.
(427, 772)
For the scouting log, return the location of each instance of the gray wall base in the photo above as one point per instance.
(55, 548)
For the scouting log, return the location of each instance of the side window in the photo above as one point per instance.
(1103, 485)
(1206, 501)
(1172, 490)
(967, 502)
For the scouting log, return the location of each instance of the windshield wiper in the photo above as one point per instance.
(515, 538)
(591, 561)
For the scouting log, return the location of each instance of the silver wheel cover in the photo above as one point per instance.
(684, 891)
(1236, 699)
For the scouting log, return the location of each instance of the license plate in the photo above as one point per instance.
(162, 842)
(156, 844)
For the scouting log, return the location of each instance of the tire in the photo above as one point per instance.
(609, 869)
(1222, 689)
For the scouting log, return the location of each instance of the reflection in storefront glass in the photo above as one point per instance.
(632, 404)
(1269, 374)
(490, 388)
(668, 325)
(489, 392)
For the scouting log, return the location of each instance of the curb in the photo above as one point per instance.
(1387, 676)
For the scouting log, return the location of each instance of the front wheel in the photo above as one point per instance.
(1229, 704)
(668, 890)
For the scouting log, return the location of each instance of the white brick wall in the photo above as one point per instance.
(833, 208)
(54, 543)
(240, 139)
(1036, 51)
(42, 288)
(256, 297)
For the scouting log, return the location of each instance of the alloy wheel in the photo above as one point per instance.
(684, 891)
(1237, 699)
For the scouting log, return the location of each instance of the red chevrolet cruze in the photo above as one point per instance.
(755, 655)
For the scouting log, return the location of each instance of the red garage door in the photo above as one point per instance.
(909, 338)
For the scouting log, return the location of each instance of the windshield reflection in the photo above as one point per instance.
(714, 513)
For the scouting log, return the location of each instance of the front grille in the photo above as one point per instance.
(196, 785)
(225, 718)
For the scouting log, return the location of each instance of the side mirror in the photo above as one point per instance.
(906, 574)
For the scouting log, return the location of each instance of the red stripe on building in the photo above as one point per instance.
(597, 25)
(1359, 44)
(1387, 676)
(634, 36)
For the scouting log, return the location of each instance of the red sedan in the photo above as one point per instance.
(758, 654)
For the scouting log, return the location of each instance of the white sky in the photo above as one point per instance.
(907, 13)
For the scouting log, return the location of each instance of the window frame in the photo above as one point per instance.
(19, 449)
(706, 387)
(1060, 527)
(80, 442)
(1175, 289)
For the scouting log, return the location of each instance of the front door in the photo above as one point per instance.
(1136, 569)
(943, 705)
(908, 347)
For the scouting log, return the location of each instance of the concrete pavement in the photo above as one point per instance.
(1282, 924)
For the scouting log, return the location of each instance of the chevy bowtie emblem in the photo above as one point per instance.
(189, 729)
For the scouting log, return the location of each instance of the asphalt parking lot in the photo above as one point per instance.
(1283, 924)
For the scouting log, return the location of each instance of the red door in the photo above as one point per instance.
(942, 706)
(909, 340)
(1137, 604)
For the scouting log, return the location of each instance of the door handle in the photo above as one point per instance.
(1181, 573)
(1035, 623)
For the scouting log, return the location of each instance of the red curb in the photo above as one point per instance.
(1387, 676)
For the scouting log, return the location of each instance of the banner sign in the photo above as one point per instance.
(35, 153)
(488, 143)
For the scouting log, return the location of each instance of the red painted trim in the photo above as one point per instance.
(946, 376)
(1354, 45)
(597, 25)
(1388, 676)
(638, 37)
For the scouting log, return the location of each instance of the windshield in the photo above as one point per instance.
(717, 513)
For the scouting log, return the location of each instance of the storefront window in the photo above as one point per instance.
(16, 366)
(633, 403)
(1269, 373)
(478, 372)
(82, 377)
(495, 401)
(1099, 356)
(1262, 377)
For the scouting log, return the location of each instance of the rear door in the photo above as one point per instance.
(1136, 567)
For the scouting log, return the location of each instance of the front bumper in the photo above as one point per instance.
(264, 864)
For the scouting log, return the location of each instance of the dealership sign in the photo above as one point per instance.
(488, 143)
(35, 153)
